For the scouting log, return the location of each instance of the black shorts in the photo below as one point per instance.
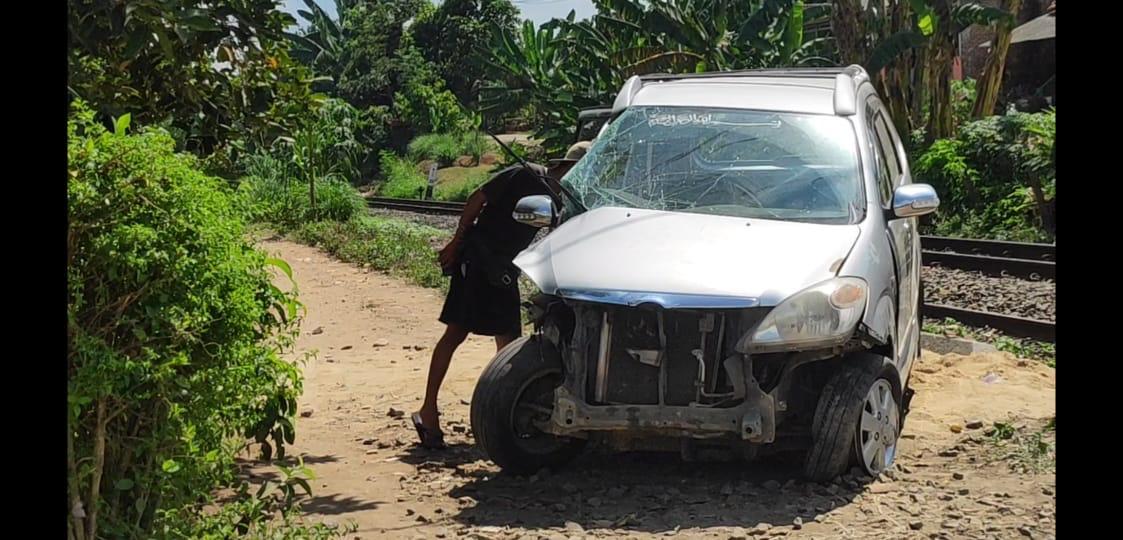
(481, 308)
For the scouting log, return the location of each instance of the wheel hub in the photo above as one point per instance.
(877, 430)
(533, 406)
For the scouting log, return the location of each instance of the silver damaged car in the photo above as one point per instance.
(735, 270)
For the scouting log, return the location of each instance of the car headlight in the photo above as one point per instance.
(821, 315)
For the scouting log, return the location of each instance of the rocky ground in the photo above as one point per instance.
(438, 221)
(958, 474)
(975, 290)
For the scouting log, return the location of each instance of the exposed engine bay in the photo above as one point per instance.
(645, 373)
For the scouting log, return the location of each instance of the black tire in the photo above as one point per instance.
(835, 425)
(526, 365)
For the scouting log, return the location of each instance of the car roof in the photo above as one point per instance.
(815, 90)
(771, 94)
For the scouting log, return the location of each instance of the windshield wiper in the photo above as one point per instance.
(542, 178)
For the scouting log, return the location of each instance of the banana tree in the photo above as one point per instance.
(531, 68)
(567, 64)
(950, 19)
(909, 46)
(776, 33)
(708, 35)
(320, 46)
(989, 83)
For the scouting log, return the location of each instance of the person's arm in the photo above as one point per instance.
(472, 208)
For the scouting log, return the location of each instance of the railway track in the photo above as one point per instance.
(992, 257)
(1011, 325)
(412, 205)
(991, 248)
(1013, 259)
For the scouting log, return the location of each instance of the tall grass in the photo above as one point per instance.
(401, 248)
(403, 180)
(285, 203)
(444, 148)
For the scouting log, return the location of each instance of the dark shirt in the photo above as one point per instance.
(495, 225)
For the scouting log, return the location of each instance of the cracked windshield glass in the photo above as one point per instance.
(753, 164)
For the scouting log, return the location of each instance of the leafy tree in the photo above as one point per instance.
(212, 71)
(452, 36)
(372, 62)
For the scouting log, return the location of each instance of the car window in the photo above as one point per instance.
(887, 147)
(884, 177)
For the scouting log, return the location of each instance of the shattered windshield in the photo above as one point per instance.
(756, 164)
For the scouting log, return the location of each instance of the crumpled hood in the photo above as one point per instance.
(651, 255)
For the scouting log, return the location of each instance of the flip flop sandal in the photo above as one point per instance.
(430, 438)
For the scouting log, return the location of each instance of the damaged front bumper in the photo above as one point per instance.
(754, 420)
(669, 373)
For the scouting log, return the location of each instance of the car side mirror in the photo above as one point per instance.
(535, 210)
(912, 200)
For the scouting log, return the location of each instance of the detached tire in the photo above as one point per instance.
(515, 389)
(857, 420)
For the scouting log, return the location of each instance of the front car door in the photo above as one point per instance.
(892, 171)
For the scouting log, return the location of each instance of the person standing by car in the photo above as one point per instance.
(483, 296)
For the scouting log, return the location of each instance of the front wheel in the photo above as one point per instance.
(514, 393)
(857, 420)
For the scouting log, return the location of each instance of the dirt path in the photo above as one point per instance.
(373, 336)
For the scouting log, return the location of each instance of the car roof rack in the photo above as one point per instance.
(594, 112)
(809, 73)
(847, 81)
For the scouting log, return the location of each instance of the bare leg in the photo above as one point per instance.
(503, 340)
(438, 366)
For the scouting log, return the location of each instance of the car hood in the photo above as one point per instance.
(631, 256)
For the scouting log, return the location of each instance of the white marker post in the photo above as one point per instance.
(432, 180)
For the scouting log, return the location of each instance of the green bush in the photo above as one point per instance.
(286, 203)
(325, 154)
(945, 167)
(175, 335)
(276, 165)
(265, 513)
(337, 201)
(403, 180)
(996, 179)
(443, 148)
(476, 144)
(399, 247)
(428, 107)
(1016, 146)
(246, 519)
(330, 144)
(962, 100)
